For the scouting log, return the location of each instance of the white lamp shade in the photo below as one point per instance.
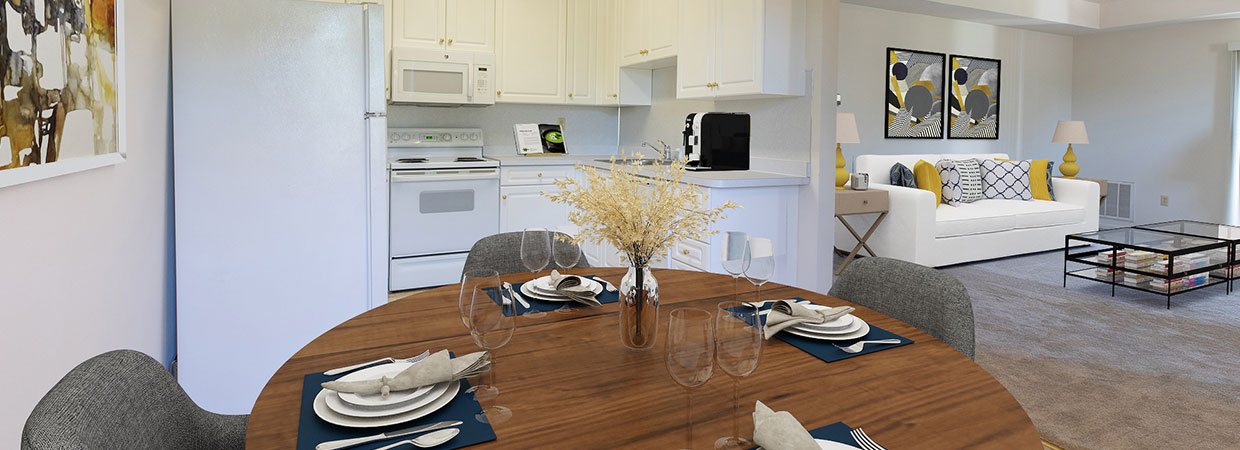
(846, 129)
(1070, 132)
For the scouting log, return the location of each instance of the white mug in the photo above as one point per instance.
(860, 181)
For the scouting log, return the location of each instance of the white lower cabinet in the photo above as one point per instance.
(522, 203)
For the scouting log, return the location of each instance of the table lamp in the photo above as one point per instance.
(845, 133)
(1070, 132)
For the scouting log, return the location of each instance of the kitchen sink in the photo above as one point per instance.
(641, 162)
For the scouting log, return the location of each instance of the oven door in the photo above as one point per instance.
(442, 211)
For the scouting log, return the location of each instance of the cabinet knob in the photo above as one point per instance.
(615, 95)
(440, 40)
(449, 42)
(865, 202)
(504, 197)
(685, 252)
(540, 175)
(570, 95)
(499, 92)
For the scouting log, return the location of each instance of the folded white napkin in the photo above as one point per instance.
(435, 369)
(570, 286)
(786, 313)
(779, 430)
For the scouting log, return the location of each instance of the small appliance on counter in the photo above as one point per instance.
(717, 141)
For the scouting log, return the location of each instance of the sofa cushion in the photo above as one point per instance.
(928, 179)
(994, 215)
(877, 165)
(902, 176)
(1007, 180)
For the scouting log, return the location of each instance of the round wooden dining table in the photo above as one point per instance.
(571, 384)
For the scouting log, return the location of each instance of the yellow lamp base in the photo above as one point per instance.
(1069, 169)
(841, 175)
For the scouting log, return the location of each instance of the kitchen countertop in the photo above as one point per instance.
(721, 179)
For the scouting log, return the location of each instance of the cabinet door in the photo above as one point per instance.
(530, 50)
(582, 52)
(471, 25)
(738, 54)
(695, 66)
(632, 31)
(522, 207)
(419, 23)
(661, 25)
(608, 60)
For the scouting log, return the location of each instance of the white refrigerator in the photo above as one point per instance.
(279, 173)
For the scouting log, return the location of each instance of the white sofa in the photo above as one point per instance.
(916, 231)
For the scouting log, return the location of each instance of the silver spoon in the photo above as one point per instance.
(428, 440)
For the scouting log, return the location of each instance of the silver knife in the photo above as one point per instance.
(520, 299)
(343, 443)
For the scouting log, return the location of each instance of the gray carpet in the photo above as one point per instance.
(1096, 372)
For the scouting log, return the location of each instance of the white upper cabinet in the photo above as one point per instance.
(608, 59)
(530, 51)
(648, 33)
(583, 33)
(465, 25)
(741, 48)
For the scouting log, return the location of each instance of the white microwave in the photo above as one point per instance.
(442, 78)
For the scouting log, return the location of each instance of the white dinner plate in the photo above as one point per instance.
(543, 286)
(324, 412)
(864, 330)
(853, 322)
(527, 290)
(376, 400)
(830, 445)
(336, 404)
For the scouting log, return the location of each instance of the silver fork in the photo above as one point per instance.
(865, 441)
(377, 361)
(855, 348)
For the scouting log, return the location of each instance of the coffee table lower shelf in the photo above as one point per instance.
(1090, 274)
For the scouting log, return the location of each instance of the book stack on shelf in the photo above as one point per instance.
(1220, 257)
(1139, 260)
(1183, 263)
(1107, 273)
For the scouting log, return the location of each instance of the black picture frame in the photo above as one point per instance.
(895, 100)
(955, 104)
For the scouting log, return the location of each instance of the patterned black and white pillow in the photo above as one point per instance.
(970, 180)
(1050, 172)
(901, 175)
(950, 176)
(1007, 180)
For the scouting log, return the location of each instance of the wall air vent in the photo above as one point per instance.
(1118, 203)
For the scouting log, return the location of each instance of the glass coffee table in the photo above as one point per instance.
(1228, 233)
(1153, 261)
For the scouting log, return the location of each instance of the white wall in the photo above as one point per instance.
(1157, 104)
(588, 130)
(85, 266)
(1035, 90)
(779, 126)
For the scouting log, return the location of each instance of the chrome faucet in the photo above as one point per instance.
(665, 153)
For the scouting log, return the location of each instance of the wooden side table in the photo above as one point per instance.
(849, 202)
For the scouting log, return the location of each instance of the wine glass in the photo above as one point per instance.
(535, 249)
(470, 280)
(491, 324)
(738, 345)
(761, 264)
(735, 256)
(564, 251)
(690, 354)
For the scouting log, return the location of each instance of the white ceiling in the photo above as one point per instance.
(1069, 17)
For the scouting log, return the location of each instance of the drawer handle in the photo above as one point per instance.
(865, 202)
(540, 175)
(685, 252)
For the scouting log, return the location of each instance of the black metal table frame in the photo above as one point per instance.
(1088, 257)
(1231, 254)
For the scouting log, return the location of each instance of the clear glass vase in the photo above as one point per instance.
(639, 308)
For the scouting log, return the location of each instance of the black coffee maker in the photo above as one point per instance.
(717, 141)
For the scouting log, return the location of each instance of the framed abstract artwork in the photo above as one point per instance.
(974, 105)
(914, 82)
(62, 73)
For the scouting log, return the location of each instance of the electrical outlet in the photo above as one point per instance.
(1162, 200)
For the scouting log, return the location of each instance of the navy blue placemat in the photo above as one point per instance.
(837, 432)
(826, 350)
(537, 305)
(311, 430)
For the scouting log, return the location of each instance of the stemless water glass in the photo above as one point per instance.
(470, 280)
(535, 249)
(491, 324)
(738, 346)
(690, 350)
(761, 264)
(735, 256)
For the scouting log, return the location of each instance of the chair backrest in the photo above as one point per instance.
(879, 166)
(502, 253)
(920, 296)
(124, 399)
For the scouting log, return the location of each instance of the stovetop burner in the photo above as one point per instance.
(411, 160)
(469, 159)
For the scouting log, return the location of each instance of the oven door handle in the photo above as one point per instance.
(443, 175)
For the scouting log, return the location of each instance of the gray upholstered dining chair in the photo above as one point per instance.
(920, 296)
(502, 253)
(124, 399)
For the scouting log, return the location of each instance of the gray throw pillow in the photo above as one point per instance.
(901, 175)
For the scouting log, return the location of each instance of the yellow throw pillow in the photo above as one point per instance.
(927, 177)
(1037, 178)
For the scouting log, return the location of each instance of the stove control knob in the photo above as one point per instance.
(406, 136)
(474, 136)
(395, 137)
(447, 137)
